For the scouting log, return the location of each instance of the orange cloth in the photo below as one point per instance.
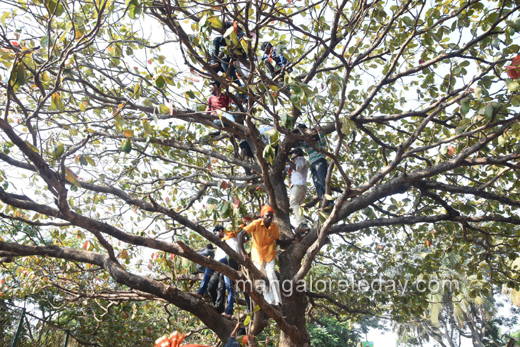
(230, 235)
(265, 209)
(264, 245)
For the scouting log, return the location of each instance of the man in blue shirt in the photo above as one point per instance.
(272, 55)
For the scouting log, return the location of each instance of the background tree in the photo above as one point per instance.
(103, 140)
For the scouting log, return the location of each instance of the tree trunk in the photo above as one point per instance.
(294, 302)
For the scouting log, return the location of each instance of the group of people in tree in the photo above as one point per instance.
(264, 232)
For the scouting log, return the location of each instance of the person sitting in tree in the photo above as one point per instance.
(224, 64)
(273, 58)
(219, 102)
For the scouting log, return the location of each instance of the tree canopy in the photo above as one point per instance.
(109, 175)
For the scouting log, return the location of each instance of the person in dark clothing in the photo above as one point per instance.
(273, 58)
(317, 161)
(217, 291)
(224, 64)
(206, 252)
(221, 256)
(238, 331)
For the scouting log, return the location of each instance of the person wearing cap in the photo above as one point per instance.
(219, 102)
(297, 171)
(266, 235)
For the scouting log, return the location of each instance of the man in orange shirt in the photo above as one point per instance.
(266, 235)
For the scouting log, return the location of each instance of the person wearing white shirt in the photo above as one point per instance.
(297, 172)
(231, 239)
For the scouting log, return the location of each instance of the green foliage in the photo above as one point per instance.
(329, 332)
(107, 162)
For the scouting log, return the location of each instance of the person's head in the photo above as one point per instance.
(215, 87)
(266, 47)
(219, 231)
(267, 214)
(209, 246)
(296, 152)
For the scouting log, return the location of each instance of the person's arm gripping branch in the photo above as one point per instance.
(241, 239)
(292, 165)
(322, 143)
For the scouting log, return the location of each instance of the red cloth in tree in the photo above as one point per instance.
(218, 102)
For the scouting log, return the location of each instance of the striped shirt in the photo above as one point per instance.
(314, 155)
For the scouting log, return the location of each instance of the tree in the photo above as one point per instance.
(103, 140)
(455, 316)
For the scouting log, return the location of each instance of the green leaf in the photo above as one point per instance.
(512, 85)
(515, 100)
(273, 135)
(491, 19)
(489, 111)
(464, 105)
(348, 125)
(226, 209)
(146, 126)
(57, 103)
(58, 151)
(247, 321)
(163, 109)
(297, 89)
(32, 147)
(286, 120)
(90, 160)
(21, 75)
(71, 177)
(478, 92)
(137, 91)
(159, 81)
(82, 160)
(513, 25)
(495, 43)
(269, 154)
(126, 146)
(5, 16)
(215, 22)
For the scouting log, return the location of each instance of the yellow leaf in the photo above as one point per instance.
(71, 177)
(128, 133)
(32, 147)
(146, 126)
(247, 321)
